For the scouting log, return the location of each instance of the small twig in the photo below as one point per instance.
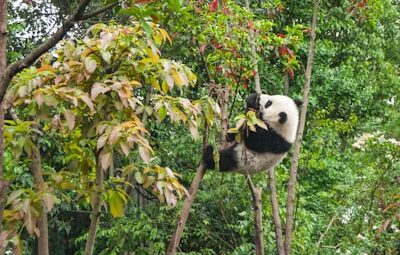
(326, 231)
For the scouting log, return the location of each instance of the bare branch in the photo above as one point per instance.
(254, 55)
(257, 209)
(275, 212)
(98, 11)
(297, 145)
(187, 204)
(326, 231)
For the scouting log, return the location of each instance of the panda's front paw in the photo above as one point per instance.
(208, 157)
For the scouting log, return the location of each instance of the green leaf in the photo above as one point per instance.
(146, 27)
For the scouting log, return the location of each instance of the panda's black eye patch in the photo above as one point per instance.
(268, 104)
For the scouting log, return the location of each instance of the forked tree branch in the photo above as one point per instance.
(299, 138)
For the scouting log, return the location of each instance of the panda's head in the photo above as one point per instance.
(278, 112)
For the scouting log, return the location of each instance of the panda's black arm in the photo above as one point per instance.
(263, 141)
(251, 101)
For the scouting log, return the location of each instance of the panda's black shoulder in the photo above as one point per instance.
(264, 141)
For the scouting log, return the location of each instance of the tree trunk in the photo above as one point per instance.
(40, 187)
(257, 209)
(187, 204)
(95, 216)
(297, 145)
(257, 83)
(275, 212)
(286, 84)
(3, 65)
(224, 116)
(256, 192)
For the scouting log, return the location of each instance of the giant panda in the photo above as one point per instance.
(263, 149)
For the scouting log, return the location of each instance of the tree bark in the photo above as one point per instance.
(3, 65)
(224, 116)
(299, 138)
(187, 204)
(257, 209)
(95, 215)
(286, 84)
(257, 83)
(40, 187)
(256, 192)
(275, 212)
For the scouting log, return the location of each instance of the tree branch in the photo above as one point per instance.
(257, 209)
(275, 212)
(187, 204)
(324, 234)
(98, 11)
(297, 145)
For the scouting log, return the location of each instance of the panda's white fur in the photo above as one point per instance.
(270, 115)
(263, 149)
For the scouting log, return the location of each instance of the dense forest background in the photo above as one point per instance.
(102, 133)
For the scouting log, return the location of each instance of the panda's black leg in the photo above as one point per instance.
(208, 157)
(228, 160)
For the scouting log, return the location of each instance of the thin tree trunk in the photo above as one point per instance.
(95, 215)
(40, 187)
(297, 145)
(256, 192)
(257, 83)
(257, 209)
(286, 84)
(3, 65)
(275, 212)
(187, 204)
(224, 116)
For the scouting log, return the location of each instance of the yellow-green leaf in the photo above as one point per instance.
(139, 177)
(116, 204)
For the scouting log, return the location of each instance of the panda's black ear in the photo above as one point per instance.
(298, 102)
(251, 101)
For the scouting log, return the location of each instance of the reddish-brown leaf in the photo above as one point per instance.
(291, 73)
(213, 5)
